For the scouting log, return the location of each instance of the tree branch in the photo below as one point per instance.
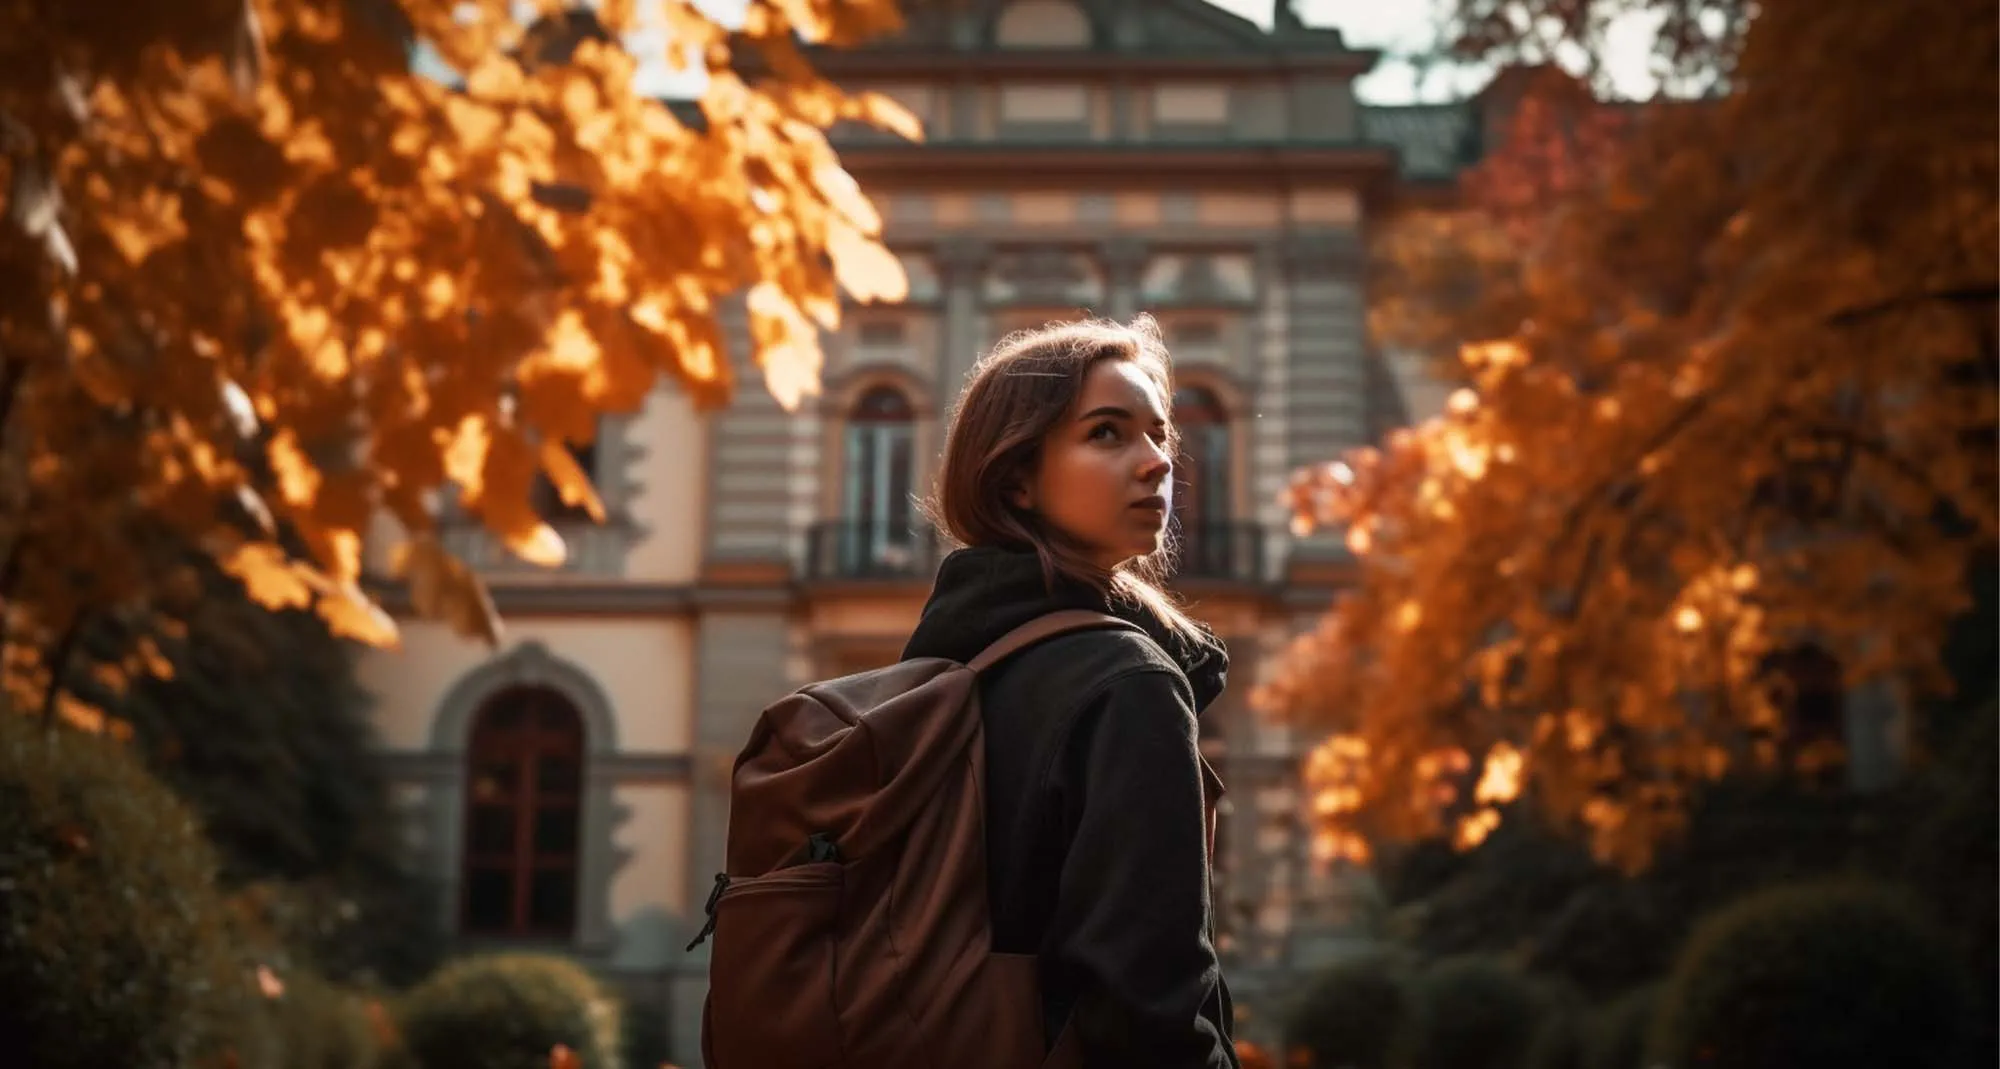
(1978, 293)
(58, 663)
(1667, 432)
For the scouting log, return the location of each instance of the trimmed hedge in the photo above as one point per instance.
(1615, 1036)
(324, 1026)
(115, 946)
(1351, 1014)
(1474, 1013)
(509, 1011)
(1830, 976)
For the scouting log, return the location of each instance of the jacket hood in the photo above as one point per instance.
(984, 592)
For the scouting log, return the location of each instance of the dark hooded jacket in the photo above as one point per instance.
(1095, 833)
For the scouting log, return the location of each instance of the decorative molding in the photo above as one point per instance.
(839, 394)
(960, 260)
(1124, 258)
(1045, 277)
(1316, 253)
(594, 549)
(529, 664)
(429, 768)
(1216, 278)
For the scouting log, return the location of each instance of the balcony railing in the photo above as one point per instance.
(863, 549)
(1226, 551)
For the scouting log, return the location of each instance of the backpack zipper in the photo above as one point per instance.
(820, 847)
(714, 896)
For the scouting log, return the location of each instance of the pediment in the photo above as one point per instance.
(1185, 26)
(1124, 26)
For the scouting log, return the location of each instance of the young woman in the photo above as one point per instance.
(1057, 479)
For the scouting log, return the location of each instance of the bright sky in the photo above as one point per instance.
(1395, 26)
(1406, 26)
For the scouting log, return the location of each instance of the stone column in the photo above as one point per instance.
(961, 265)
(1124, 263)
(1326, 381)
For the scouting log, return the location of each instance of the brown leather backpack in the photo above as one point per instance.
(851, 926)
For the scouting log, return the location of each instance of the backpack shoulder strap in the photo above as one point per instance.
(1042, 628)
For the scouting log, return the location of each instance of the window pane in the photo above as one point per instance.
(555, 831)
(558, 776)
(492, 831)
(489, 900)
(902, 468)
(1215, 471)
(552, 901)
(556, 715)
(494, 779)
(861, 461)
(505, 713)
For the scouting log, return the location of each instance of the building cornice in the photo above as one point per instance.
(975, 164)
(1085, 64)
(655, 599)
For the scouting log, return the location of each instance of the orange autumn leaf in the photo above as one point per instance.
(255, 293)
(1726, 394)
(572, 483)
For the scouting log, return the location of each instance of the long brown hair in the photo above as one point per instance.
(1015, 395)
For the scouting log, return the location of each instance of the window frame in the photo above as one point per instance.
(879, 515)
(548, 735)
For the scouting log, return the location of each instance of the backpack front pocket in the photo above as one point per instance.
(771, 974)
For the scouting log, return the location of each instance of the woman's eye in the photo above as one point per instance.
(1104, 432)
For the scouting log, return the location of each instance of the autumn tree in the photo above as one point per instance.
(1728, 415)
(257, 272)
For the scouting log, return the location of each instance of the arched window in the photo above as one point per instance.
(523, 816)
(878, 484)
(1201, 482)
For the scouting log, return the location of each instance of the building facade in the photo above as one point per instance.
(1107, 157)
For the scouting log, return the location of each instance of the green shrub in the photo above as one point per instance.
(322, 1026)
(508, 1011)
(648, 1038)
(1615, 1037)
(1351, 1014)
(115, 947)
(1826, 976)
(1562, 1022)
(1473, 1013)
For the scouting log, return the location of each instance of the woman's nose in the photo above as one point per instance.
(1155, 464)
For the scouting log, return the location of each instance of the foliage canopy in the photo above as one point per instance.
(257, 272)
(1729, 400)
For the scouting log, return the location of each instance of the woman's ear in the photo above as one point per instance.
(1019, 497)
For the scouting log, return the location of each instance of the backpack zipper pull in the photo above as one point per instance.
(714, 896)
(821, 847)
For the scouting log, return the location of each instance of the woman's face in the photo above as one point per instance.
(1103, 475)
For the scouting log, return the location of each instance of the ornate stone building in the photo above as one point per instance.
(1105, 157)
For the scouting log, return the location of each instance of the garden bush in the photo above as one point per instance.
(323, 1026)
(1473, 1012)
(648, 1034)
(1351, 1014)
(1562, 1023)
(1826, 976)
(1615, 1036)
(509, 1011)
(115, 947)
